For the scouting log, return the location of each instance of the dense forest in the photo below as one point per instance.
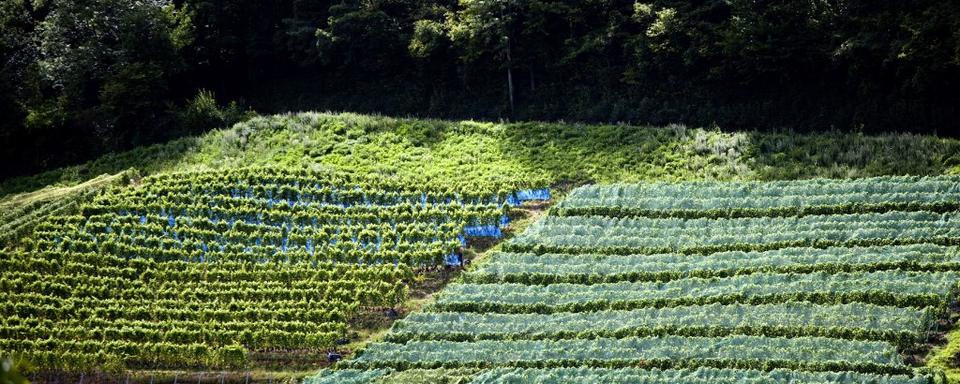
(79, 78)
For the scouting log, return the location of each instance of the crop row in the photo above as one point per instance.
(21, 213)
(61, 305)
(205, 229)
(180, 272)
(253, 335)
(128, 328)
(810, 353)
(701, 375)
(783, 198)
(316, 195)
(367, 293)
(47, 307)
(529, 268)
(594, 234)
(415, 254)
(227, 209)
(19, 223)
(904, 326)
(372, 184)
(113, 355)
(689, 376)
(898, 288)
(349, 376)
(312, 241)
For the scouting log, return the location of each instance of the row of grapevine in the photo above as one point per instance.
(348, 376)
(231, 209)
(337, 186)
(690, 376)
(179, 272)
(275, 311)
(529, 268)
(146, 304)
(904, 326)
(18, 219)
(755, 199)
(211, 269)
(158, 220)
(899, 288)
(755, 352)
(595, 234)
(701, 375)
(814, 281)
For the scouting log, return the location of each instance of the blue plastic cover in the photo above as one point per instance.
(483, 231)
(451, 259)
(533, 194)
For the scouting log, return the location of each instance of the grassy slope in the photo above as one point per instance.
(523, 152)
(533, 154)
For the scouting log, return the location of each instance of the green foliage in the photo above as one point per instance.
(521, 154)
(347, 376)
(698, 376)
(754, 199)
(428, 37)
(897, 288)
(947, 357)
(125, 51)
(598, 313)
(599, 234)
(9, 374)
(212, 269)
(202, 113)
(753, 352)
(21, 213)
(902, 326)
(85, 78)
(529, 268)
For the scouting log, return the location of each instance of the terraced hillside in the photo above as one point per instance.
(263, 251)
(807, 281)
(242, 269)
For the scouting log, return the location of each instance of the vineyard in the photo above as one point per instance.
(255, 267)
(804, 282)
(382, 250)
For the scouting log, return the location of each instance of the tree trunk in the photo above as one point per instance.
(510, 77)
(510, 87)
(533, 84)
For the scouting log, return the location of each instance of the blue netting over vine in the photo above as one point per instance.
(490, 230)
(518, 197)
(451, 259)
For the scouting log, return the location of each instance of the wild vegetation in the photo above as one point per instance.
(83, 78)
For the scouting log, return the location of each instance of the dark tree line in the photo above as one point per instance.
(82, 77)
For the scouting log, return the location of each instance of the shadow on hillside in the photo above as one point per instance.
(144, 159)
(778, 156)
(620, 153)
(578, 153)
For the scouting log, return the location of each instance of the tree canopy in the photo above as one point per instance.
(80, 78)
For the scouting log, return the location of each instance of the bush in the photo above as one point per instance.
(202, 113)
